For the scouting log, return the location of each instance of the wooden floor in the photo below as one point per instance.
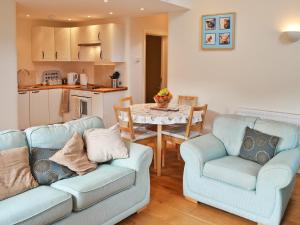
(168, 206)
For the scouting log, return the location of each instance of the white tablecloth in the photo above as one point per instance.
(143, 114)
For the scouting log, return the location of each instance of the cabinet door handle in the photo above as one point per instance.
(43, 54)
(35, 92)
(101, 54)
(98, 36)
(96, 93)
(56, 55)
(78, 55)
(22, 93)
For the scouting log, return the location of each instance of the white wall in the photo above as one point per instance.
(139, 27)
(8, 65)
(262, 72)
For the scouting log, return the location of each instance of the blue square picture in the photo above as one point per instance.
(218, 31)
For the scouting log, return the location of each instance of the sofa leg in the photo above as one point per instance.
(140, 210)
(191, 200)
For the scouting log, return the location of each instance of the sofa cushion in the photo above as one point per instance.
(15, 174)
(74, 156)
(85, 123)
(56, 136)
(233, 170)
(258, 147)
(288, 133)
(42, 205)
(104, 145)
(44, 170)
(96, 186)
(12, 139)
(230, 129)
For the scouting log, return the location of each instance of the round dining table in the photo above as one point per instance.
(151, 114)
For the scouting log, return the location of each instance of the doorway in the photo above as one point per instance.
(155, 65)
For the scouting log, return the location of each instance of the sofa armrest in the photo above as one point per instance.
(280, 170)
(140, 156)
(198, 151)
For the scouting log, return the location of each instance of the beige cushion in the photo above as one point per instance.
(74, 156)
(15, 174)
(105, 144)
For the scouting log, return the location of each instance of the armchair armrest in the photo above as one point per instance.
(140, 156)
(280, 170)
(198, 151)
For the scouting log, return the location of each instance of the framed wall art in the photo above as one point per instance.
(217, 31)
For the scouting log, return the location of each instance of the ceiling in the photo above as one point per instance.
(82, 10)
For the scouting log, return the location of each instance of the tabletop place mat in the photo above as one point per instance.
(168, 109)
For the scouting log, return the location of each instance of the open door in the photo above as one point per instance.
(153, 66)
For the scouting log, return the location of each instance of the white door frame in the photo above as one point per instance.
(164, 58)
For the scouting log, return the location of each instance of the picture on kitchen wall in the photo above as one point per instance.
(217, 31)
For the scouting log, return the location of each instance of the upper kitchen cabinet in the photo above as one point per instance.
(90, 34)
(112, 48)
(43, 44)
(62, 36)
(83, 54)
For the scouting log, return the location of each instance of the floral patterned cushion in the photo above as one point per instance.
(258, 147)
(45, 171)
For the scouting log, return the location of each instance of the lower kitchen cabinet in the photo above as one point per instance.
(23, 110)
(42, 107)
(39, 108)
(55, 99)
(102, 106)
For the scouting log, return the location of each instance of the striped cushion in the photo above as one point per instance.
(179, 132)
(140, 133)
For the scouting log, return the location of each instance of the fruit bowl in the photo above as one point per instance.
(163, 98)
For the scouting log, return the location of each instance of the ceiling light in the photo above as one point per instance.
(69, 19)
(27, 15)
(142, 9)
(89, 16)
(111, 13)
(106, 1)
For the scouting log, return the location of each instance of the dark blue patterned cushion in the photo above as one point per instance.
(45, 171)
(258, 147)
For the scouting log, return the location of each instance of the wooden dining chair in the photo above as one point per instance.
(131, 133)
(188, 100)
(126, 101)
(178, 135)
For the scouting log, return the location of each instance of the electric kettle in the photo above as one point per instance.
(72, 78)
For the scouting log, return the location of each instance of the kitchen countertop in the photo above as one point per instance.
(91, 88)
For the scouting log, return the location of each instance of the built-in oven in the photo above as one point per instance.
(81, 106)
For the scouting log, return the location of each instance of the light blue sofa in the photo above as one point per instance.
(215, 175)
(105, 196)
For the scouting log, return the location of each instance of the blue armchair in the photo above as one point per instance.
(215, 175)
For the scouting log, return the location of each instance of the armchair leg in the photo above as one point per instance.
(191, 200)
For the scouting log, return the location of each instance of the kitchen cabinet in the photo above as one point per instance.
(83, 54)
(62, 36)
(90, 34)
(43, 44)
(23, 110)
(102, 106)
(55, 99)
(39, 107)
(97, 104)
(112, 44)
(102, 44)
